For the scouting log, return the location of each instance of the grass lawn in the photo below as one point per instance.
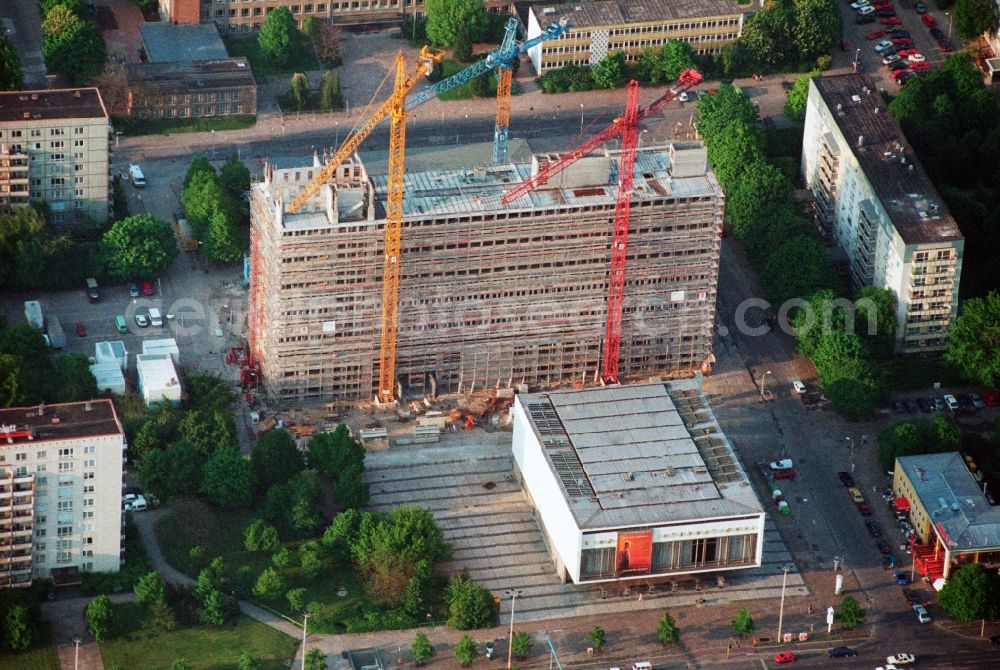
(43, 657)
(172, 126)
(203, 647)
(248, 48)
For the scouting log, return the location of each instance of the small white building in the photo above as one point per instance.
(158, 379)
(111, 352)
(162, 346)
(109, 377)
(632, 482)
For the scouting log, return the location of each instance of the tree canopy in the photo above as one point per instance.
(227, 478)
(10, 66)
(76, 50)
(849, 613)
(909, 438)
(971, 593)
(609, 72)
(276, 459)
(447, 20)
(664, 64)
(214, 206)
(279, 38)
(470, 605)
(974, 18)
(795, 101)
(139, 246)
(743, 624)
(974, 340)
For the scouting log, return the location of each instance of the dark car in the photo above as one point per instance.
(965, 401)
(897, 406)
(910, 408)
(920, 8)
(898, 65)
(874, 529)
(845, 478)
(133, 289)
(937, 34)
(842, 652)
(899, 32)
(885, 12)
(862, 20)
(924, 405)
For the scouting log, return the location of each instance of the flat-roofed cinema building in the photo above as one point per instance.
(633, 482)
(877, 205)
(490, 295)
(191, 89)
(55, 146)
(60, 491)
(599, 28)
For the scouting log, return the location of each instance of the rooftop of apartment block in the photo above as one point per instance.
(167, 43)
(639, 454)
(582, 14)
(27, 425)
(957, 507)
(916, 209)
(60, 103)
(191, 76)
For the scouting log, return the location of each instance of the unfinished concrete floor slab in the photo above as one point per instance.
(474, 495)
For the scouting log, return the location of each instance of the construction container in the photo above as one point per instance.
(33, 313)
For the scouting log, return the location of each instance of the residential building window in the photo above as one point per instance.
(89, 463)
(64, 531)
(88, 475)
(21, 456)
(66, 466)
(88, 514)
(65, 505)
(64, 557)
(66, 453)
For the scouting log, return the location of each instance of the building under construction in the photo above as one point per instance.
(491, 295)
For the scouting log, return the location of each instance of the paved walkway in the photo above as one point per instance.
(69, 625)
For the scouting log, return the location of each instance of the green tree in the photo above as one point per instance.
(17, 628)
(331, 453)
(329, 92)
(234, 176)
(417, 595)
(213, 609)
(797, 268)
(743, 624)
(609, 72)
(139, 246)
(309, 561)
(462, 48)
(227, 478)
(269, 584)
(75, 6)
(10, 66)
(816, 29)
(974, 340)
(79, 52)
(180, 664)
(29, 370)
(279, 38)
(296, 599)
(74, 380)
(340, 535)
(223, 243)
(521, 645)
(726, 107)
(310, 27)
(276, 459)
(282, 558)
(758, 187)
(150, 589)
(659, 66)
(597, 637)
(202, 198)
(974, 18)
(315, 659)
(258, 536)
(162, 616)
(207, 430)
(971, 593)
(204, 585)
(465, 651)
(100, 617)
(666, 630)
(58, 22)
(766, 35)
(421, 650)
(295, 506)
(247, 661)
(448, 19)
(469, 604)
(795, 102)
(875, 320)
(849, 614)
(199, 168)
(299, 91)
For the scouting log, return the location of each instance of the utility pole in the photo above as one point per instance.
(781, 608)
(857, 54)
(763, 383)
(851, 440)
(510, 639)
(76, 654)
(305, 627)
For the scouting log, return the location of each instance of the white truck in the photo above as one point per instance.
(57, 338)
(155, 317)
(33, 313)
(135, 174)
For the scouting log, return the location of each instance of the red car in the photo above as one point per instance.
(784, 657)
(883, 5)
(991, 399)
(896, 74)
(863, 507)
(928, 20)
(81, 330)
(901, 41)
(903, 53)
(890, 21)
(920, 66)
(945, 46)
(147, 288)
(875, 35)
(784, 474)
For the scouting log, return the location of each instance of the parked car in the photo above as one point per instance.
(995, 640)
(899, 66)
(902, 41)
(910, 407)
(944, 46)
(939, 404)
(916, 58)
(901, 659)
(875, 35)
(885, 12)
(920, 8)
(147, 288)
(683, 97)
(882, 46)
(866, 9)
(784, 474)
(845, 478)
(888, 60)
(859, 4)
(921, 612)
(964, 401)
(991, 399)
(81, 330)
(784, 657)
(842, 652)
(977, 401)
(898, 407)
(133, 289)
(783, 464)
(928, 20)
(864, 509)
(924, 405)
(798, 386)
(134, 502)
(862, 20)
(141, 320)
(873, 528)
(899, 32)
(901, 578)
(936, 33)
(890, 21)
(951, 402)
(856, 495)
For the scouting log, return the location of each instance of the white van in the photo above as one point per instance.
(642, 665)
(136, 175)
(155, 317)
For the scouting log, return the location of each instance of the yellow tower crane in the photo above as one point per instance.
(395, 108)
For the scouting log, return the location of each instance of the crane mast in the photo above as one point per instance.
(504, 75)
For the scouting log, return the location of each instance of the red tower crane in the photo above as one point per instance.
(625, 126)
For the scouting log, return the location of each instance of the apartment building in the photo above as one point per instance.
(599, 28)
(191, 89)
(490, 295)
(60, 491)
(55, 146)
(877, 205)
(242, 16)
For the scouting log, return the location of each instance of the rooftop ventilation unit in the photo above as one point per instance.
(628, 476)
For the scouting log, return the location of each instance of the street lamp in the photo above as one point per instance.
(857, 54)
(948, 14)
(76, 654)
(581, 118)
(781, 609)
(763, 383)
(510, 639)
(305, 626)
(851, 440)
(641, 133)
